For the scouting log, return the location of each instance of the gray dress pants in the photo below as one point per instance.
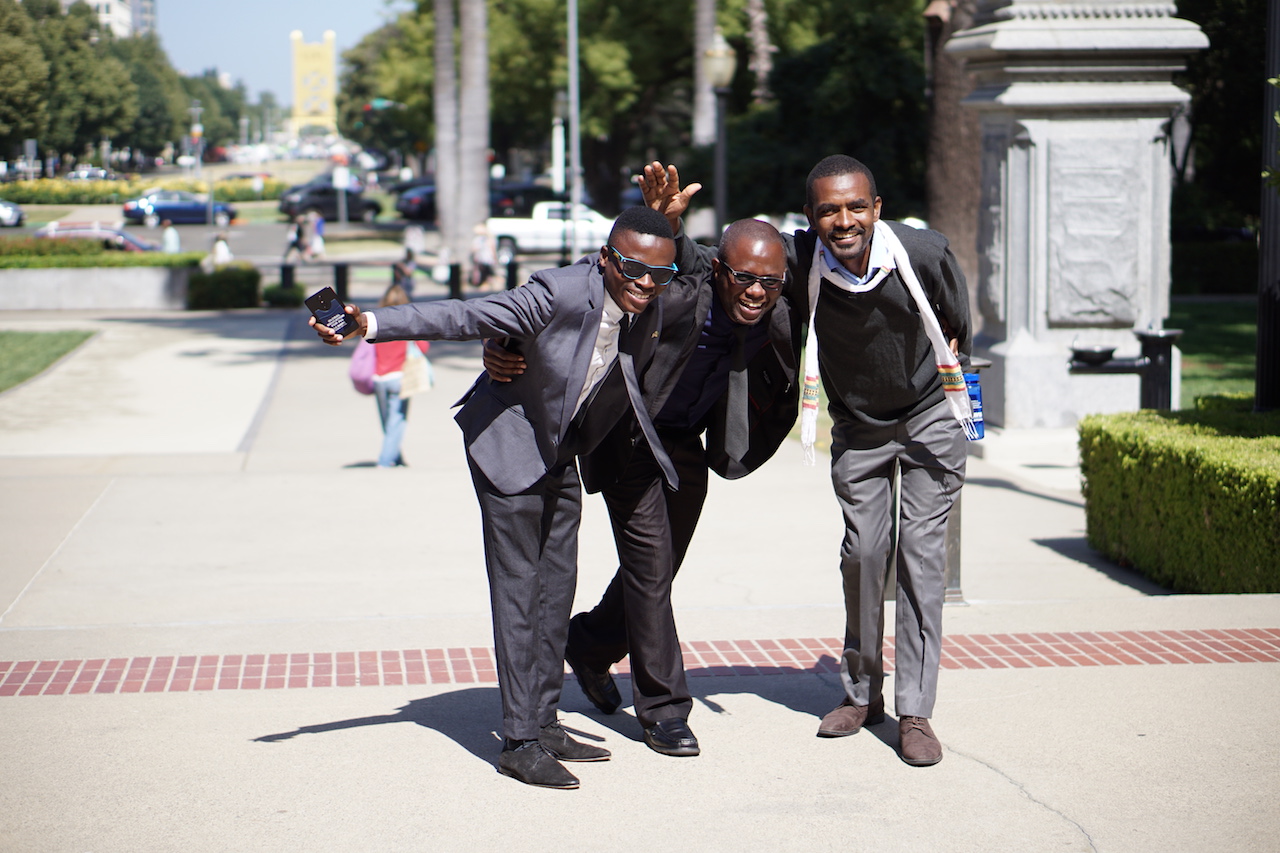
(930, 451)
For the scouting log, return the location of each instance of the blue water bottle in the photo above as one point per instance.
(975, 402)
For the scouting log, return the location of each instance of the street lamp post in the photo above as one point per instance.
(721, 61)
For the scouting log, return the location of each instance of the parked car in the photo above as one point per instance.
(91, 173)
(547, 229)
(518, 199)
(177, 206)
(323, 199)
(114, 239)
(11, 215)
(418, 203)
(412, 183)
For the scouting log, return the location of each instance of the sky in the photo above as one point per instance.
(249, 39)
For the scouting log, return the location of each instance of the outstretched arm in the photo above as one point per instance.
(660, 187)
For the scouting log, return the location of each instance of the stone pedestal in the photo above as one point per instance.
(1073, 241)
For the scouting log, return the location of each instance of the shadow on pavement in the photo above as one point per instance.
(1000, 483)
(452, 714)
(799, 691)
(1078, 549)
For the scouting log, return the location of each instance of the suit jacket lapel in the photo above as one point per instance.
(583, 347)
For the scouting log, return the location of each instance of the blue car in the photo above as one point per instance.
(178, 207)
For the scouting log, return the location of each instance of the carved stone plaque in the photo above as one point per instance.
(1096, 188)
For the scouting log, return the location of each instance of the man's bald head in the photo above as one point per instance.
(748, 231)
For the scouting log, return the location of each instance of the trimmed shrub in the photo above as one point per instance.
(60, 191)
(34, 247)
(233, 286)
(278, 296)
(1190, 499)
(101, 259)
(40, 253)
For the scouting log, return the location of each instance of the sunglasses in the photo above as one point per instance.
(635, 270)
(746, 279)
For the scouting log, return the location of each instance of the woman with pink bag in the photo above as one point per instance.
(389, 376)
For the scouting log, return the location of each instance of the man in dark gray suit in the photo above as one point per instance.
(723, 320)
(589, 336)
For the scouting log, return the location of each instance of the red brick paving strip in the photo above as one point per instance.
(705, 658)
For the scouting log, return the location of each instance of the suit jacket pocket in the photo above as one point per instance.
(501, 441)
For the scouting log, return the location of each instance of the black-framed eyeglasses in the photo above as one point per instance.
(636, 270)
(746, 279)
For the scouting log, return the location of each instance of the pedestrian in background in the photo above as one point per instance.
(293, 247)
(393, 407)
(402, 272)
(484, 257)
(314, 236)
(170, 242)
(219, 255)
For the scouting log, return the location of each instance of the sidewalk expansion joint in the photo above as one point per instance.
(702, 658)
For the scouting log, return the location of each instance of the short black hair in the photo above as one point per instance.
(747, 229)
(837, 164)
(642, 220)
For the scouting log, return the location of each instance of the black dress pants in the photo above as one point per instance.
(652, 527)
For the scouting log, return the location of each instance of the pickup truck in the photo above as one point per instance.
(548, 229)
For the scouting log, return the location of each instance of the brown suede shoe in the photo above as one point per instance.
(920, 748)
(847, 719)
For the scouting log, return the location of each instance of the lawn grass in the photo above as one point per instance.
(26, 354)
(1219, 346)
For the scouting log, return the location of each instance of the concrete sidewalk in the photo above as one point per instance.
(222, 629)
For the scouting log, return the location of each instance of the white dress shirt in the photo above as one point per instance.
(606, 348)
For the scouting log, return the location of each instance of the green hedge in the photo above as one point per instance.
(102, 259)
(39, 253)
(60, 191)
(35, 247)
(233, 286)
(1190, 499)
(278, 296)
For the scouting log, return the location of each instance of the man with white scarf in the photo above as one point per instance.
(889, 334)
(892, 325)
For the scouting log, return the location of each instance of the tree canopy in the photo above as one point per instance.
(68, 83)
(849, 77)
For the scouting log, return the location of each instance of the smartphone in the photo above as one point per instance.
(329, 310)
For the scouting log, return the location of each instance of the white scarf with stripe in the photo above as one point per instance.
(948, 365)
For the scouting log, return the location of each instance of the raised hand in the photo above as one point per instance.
(660, 187)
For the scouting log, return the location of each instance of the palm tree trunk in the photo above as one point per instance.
(704, 100)
(762, 49)
(953, 169)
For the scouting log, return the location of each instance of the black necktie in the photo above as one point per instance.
(736, 427)
(637, 403)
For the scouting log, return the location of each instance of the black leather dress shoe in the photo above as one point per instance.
(597, 686)
(671, 737)
(531, 764)
(556, 740)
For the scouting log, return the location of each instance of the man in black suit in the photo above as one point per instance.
(889, 334)
(589, 336)
(730, 327)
